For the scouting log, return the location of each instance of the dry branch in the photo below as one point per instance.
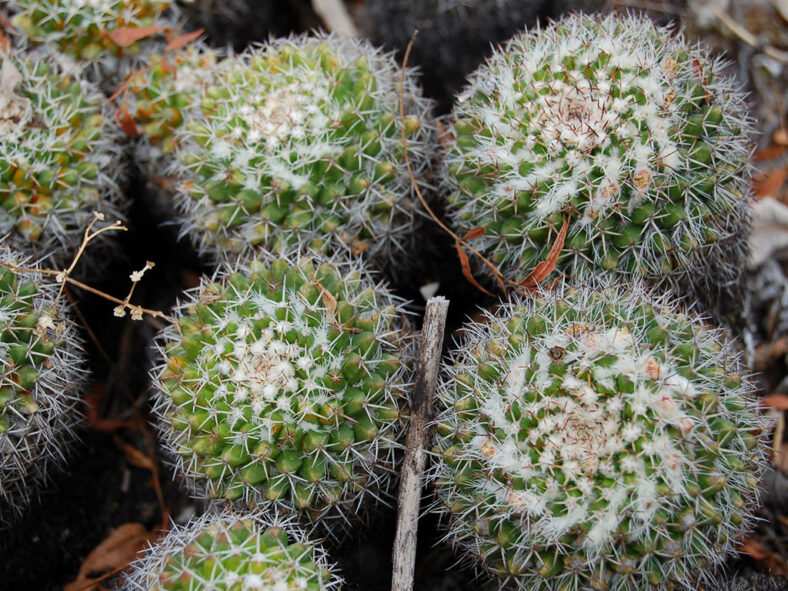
(410, 485)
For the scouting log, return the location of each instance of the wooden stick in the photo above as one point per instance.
(410, 484)
(335, 17)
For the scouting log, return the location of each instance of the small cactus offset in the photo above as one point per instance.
(106, 37)
(299, 142)
(616, 128)
(60, 157)
(253, 552)
(597, 439)
(154, 102)
(42, 371)
(281, 385)
(454, 35)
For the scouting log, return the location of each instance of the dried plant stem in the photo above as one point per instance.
(335, 17)
(410, 486)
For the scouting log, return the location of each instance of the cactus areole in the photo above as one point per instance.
(620, 128)
(280, 386)
(596, 440)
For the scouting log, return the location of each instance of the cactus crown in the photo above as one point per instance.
(299, 141)
(41, 372)
(246, 553)
(596, 439)
(58, 157)
(281, 384)
(613, 126)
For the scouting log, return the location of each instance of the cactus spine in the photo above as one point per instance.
(59, 157)
(245, 552)
(92, 32)
(42, 371)
(281, 385)
(597, 439)
(298, 142)
(620, 130)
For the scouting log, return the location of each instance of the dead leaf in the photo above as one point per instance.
(183, 40)
(92, 401)
(781, 6)
(125, 36)
(766, 559)
(767, 353)
(697, 69)
(329, 301)
(543, 269)
(474, 233)
(769, 153)
(778, 401)
(111, 556)
(768, 184)
(133, 456)
(126, 121)
(466, 269)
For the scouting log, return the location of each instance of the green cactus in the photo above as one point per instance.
(60, 157)
(245, 552)
(618, 129)
(281, 385)
(91, 32)
(597, 439)
(42, 371)
(295, 142)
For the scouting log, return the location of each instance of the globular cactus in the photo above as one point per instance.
(42, 371)
(244, 552)
(615, 128)
(281, 385)
(153, 106)
(597, 439)
(298, 142)
(454, 35)
(60, 157)
(97, 35)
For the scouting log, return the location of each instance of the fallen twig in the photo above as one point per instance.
(335, 17)
(410, 485)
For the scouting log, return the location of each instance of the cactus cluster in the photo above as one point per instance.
(92, 32)
(298, 141)
(59, 157)
(617, 129)
(281, 384)
(454, 35)
(597, 439)
(41, 372)
(252, 552)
